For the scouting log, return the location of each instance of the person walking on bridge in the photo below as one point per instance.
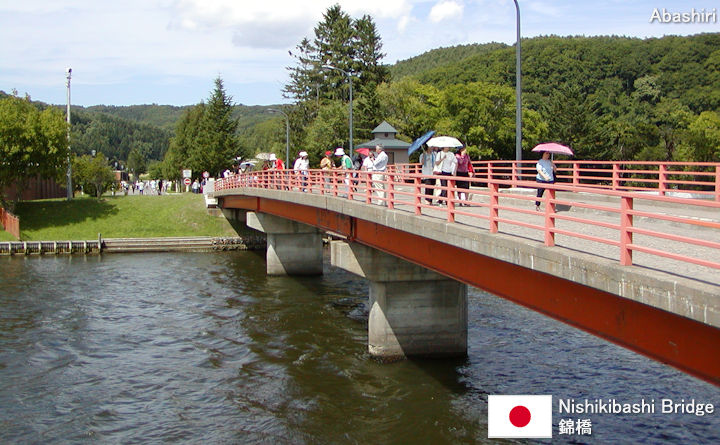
(301, 167)
(427, 161)
(345, 164)
(448, 167)
(380, 160)
(546, 175)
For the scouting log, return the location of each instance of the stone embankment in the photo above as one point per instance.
(131, 245)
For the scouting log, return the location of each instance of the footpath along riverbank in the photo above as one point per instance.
(132, 245)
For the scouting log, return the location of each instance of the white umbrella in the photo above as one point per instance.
(263, 156)
(444, 141)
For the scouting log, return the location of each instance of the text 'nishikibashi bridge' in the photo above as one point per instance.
(627, 251)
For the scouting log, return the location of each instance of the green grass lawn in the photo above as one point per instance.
(118, 217)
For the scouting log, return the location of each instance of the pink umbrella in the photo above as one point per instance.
(552, 147)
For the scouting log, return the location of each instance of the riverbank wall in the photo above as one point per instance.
(133, 245)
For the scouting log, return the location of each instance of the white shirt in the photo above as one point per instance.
(367, 163)
(301, 164)
(380, 162)
(448, 162)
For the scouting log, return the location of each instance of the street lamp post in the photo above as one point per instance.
(69, 165)
(349, 76)
(287, 135)
(518, 91)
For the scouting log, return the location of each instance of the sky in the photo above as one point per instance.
(169, 52)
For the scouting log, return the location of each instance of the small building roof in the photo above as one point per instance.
(387, 143)
(384, 128)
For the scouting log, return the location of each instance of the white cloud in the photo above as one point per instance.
(446, 9)
(275, 23)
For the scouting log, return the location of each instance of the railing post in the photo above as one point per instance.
(549, 218)
(662, 180)
(576, 173)
(717, 183)
(515, 173)
(615, 176)
(450, 201)
(490, 172)
(368, 188)
(418, 197)
(626, 235)
(390, 188)
(494, 204)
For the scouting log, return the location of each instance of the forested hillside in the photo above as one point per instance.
(684, 68)
(441, 57)
(163, 116)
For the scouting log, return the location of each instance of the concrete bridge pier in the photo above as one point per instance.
(293, 248)
(413, 310)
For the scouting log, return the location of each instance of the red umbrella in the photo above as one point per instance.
(363, 151)
(552, 147)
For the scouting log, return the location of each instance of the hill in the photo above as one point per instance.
(440, 58)
(682, 68)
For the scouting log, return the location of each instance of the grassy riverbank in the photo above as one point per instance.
(118, 217)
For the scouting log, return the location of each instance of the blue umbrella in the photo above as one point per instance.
(419, 141)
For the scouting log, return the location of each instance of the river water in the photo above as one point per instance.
(205, 348)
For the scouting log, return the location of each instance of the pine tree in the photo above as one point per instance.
(368, 54)
(352, 46)
(217, 143)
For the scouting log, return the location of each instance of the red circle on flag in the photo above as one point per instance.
(519, 416)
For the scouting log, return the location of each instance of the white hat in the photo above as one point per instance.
(339, 152)
(272, 157)
(302, 153)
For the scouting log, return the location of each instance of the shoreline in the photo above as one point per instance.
(132, 245)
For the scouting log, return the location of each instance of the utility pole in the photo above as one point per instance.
(69, 166)
(518, 91)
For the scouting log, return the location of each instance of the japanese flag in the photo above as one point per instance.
(519, 416)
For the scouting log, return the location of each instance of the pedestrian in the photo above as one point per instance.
(427, 161)
(278, 163)
(326, 162)
(448, 167)
(546, 175)
(345, 164)
(301, 167)
(195, 186)
(380, 160)
(326, 165)
(464, 170)
(159, 187)
(141, 186)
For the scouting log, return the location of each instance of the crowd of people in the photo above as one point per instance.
(150, 187)
(434, 162)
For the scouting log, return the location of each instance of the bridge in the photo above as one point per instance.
(629, 252)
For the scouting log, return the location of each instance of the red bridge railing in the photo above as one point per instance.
(625, 200)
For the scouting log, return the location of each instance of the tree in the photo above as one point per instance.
(93, 174)
(353, 46)
(329, 130)
(136, 162)
(704, 137)
(32, 143)
(368, 55)
(217, 143)
(186, 136)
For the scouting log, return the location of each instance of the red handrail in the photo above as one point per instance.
(503, 200)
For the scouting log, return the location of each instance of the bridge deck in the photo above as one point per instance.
(468, 216)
